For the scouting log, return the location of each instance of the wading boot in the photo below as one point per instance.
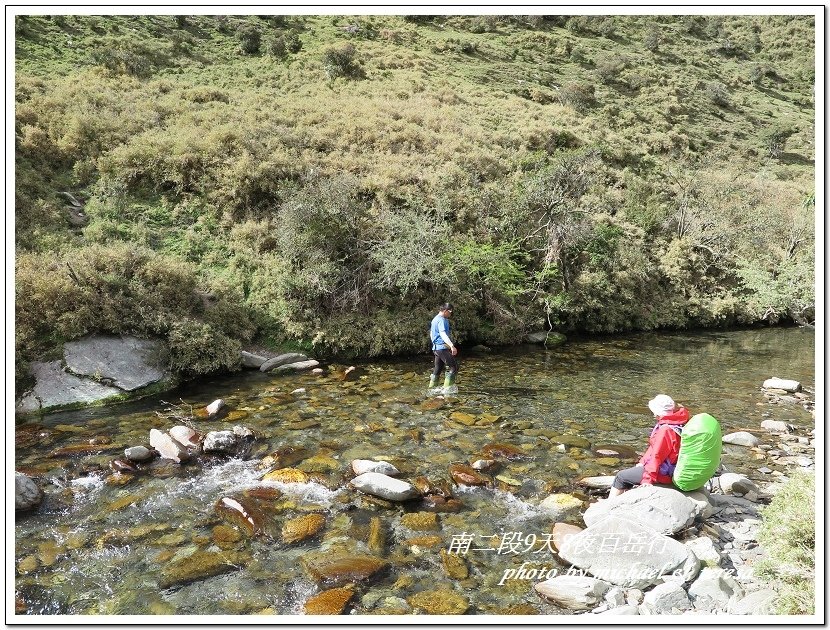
(449, 383)
(433, 381)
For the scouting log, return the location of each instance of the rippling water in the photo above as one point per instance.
(100, 542)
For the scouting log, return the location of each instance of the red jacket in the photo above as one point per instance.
(663, 447)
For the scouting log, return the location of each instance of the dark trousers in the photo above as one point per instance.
(442, 358)
(628, 478)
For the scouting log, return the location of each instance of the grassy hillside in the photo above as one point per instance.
(327, 180)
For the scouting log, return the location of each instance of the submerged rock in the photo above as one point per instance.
(439, 602)
(330, 602)
(27, 494)
(287, 475)
(242, 512)
(384, 487)
(466, 475)
(421, 521)
(303, 527)
(503, 451)
(201, 565)
(340, 568)
(572, 591)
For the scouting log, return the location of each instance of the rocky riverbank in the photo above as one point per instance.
(386, 522)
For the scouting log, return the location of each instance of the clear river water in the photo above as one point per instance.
(154, 541)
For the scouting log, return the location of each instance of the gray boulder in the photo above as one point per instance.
(384, 487)
(756, 603)
(621, 610)
(283, 359)
(572, 591)
(667, 598)
(298, 366)
(782, 383)
(126, 362)
(168, 447)
(741, 438)
(734, 483)
(251, 360)
(225, 442)
(663, 510)
(597, 483)
(27, 494)
(705, 551)
(627, 553)
(776, 426)
(138, 453)
(360, 466)
(56, 388)
(714, 589)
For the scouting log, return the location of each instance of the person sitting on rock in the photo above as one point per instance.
(659, 460)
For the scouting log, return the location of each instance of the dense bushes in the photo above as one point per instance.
(124, 289)
(788, 536)
(514, 174)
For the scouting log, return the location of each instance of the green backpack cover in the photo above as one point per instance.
(700, 447)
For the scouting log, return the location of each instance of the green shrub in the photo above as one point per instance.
(774, 139)
(129, 55)
(578, 95)
(119, 289)
(293, 43)
(787, 536)
(610, 67)
(653, 38)
(717, 93)
(197, 348)
(249, 38)
(339, 61)
(276, 46)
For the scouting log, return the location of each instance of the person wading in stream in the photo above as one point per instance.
(659, 461)
(443, 348)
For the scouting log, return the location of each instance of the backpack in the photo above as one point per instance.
(699, 457)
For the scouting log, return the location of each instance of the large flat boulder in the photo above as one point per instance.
(627, 553)
(128, 363)
(56, 388)
(660, 509)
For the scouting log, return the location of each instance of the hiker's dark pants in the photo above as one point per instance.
(442, 358)
(628, 478)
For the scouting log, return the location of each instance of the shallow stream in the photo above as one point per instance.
(107, 543)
